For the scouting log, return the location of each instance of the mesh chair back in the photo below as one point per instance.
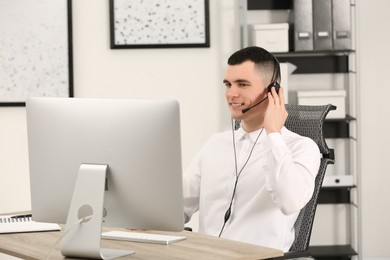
(308, 121)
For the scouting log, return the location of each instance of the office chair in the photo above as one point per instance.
(308, 121)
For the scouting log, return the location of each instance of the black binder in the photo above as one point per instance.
(341, 24)
(303, 25)
(322, 24)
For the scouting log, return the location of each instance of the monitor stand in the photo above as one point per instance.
(83, 227)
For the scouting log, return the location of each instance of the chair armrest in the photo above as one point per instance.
(188, 229)
(294, 255)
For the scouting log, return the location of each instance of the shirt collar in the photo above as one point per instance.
(241, 134)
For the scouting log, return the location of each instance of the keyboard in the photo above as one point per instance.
(142, 237)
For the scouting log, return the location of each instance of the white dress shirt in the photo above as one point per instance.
(276, 183)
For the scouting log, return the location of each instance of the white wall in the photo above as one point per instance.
(374, 42)
(193, 76)
(14, 178)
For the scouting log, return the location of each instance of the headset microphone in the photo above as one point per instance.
(277, 87)
(249, 108)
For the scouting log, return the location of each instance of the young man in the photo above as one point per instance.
(250, 184)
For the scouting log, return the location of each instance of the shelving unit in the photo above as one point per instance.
(327, 62)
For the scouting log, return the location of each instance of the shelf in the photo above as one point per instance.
(337, 128)
(341, 252)
(269, 4)
(335, 195)
(342, 62)
(332, 62)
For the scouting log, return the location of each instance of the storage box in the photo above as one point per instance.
(334, 97)
(337, 181)
(272, 37)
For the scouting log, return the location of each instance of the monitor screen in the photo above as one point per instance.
(137, 140)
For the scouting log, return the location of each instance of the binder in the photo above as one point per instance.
(341, 24)
(303, 25)
(322, 24)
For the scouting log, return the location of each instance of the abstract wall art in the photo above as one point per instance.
(159, 23)
(35, 50)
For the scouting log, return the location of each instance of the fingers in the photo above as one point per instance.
(281, 95)
(276, 98)
(276, 113)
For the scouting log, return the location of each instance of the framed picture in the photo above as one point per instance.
(159, 24)
(35, 50)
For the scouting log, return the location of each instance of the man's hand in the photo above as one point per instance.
(276, 113)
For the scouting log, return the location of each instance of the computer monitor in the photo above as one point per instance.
(126, 152)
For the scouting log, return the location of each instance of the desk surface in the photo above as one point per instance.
(196, 246)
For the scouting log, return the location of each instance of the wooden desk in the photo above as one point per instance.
(196, 246)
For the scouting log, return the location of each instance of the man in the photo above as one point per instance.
(250, 184)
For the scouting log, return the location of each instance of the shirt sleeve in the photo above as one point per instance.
(291, 172)
(191, 187)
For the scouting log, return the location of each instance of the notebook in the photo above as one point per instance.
(21, 223)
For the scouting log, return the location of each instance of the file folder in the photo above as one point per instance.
(303, 25)
(322, 24)
(341, 24)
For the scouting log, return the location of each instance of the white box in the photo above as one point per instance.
(315, 98)
(337, 181)
(272, 37)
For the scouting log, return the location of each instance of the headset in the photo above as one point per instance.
(275, 82)
(276, 76)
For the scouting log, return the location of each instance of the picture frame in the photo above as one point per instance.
(36, 50)
(159, 24)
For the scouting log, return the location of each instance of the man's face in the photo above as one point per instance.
(244, 88)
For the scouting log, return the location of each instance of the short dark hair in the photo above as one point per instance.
(264, 61)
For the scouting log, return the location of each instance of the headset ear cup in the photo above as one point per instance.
(274, 84)
(277, 86)
(275, 76)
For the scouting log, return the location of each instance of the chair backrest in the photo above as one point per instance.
(308, 121)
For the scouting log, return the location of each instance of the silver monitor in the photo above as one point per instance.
(124, 152)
